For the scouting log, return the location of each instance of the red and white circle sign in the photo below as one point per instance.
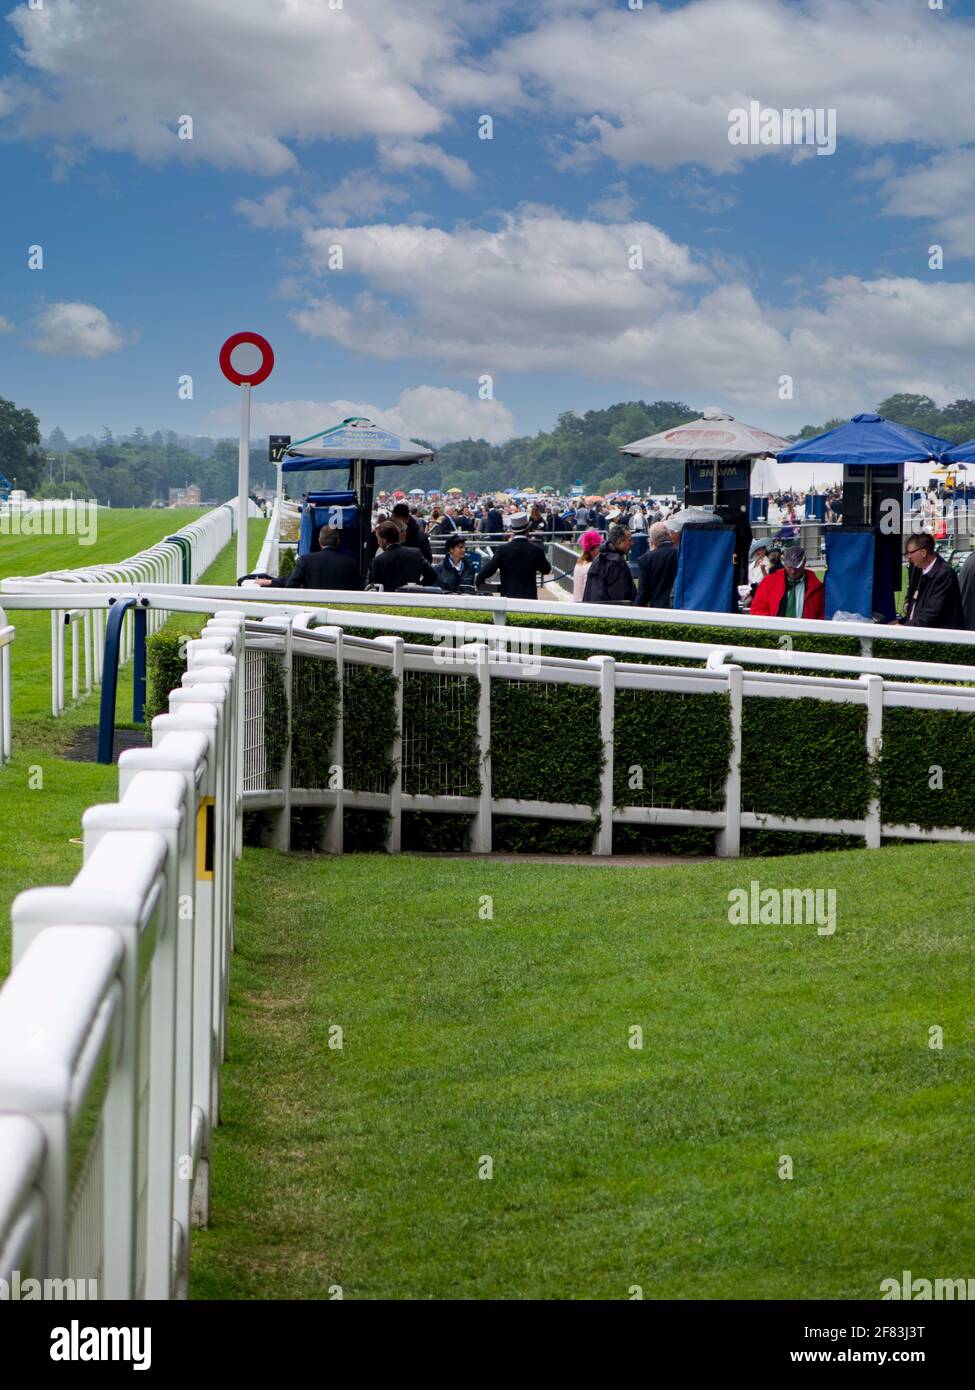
(246, 359)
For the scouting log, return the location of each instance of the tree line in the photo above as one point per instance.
(581, 448)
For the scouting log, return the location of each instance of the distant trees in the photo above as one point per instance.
(20, 440)
(954, 421)
(584, 447)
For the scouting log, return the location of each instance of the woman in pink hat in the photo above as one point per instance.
(590, 541)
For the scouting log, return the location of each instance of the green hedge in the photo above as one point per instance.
(513, 835)
(287, 559)
(368, 728)
(695, 841)
(545, 742)
(276, 730)
(680, 744)
(422, 833)
(440, 753)
(165, 664)
(917, 743)
(805, 758)
(313, 721)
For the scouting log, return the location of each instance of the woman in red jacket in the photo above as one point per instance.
(791, 592)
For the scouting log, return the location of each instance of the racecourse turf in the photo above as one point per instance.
(765, 1050)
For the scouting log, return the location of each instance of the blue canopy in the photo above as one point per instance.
(961, 453)
(867, 439)
(355, 438)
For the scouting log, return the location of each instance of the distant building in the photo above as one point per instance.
(188, 496)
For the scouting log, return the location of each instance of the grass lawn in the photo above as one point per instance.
(40, 815)
(121, 533)
(508, 1038)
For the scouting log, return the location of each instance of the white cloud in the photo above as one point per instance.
(942, 193)
(273, 210)
(615, 205)
(544, 293)
(655, 86)
(437, 413)
(5, 325)
(541, 290)
(255, 75)
(75, 330)
(405, 155)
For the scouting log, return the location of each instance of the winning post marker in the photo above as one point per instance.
(246, 359)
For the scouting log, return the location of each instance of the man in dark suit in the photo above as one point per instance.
(933, 596)
(324, 568)
(658, 569)
(397, 564)
(413, 537)
(519, 561)
(493, 523)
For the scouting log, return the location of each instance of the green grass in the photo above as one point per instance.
(121, 533)
(612, 1167)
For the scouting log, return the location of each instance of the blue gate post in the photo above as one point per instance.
(106, 713)
(139, 619)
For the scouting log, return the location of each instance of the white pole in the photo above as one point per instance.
(243, 478)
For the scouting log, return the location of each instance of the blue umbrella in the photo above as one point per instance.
(961, 453)
(869, 440)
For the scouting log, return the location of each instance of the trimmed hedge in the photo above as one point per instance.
(680, 745)
(545, 742)
(368, 729)
(313, 721)
(513, 835)
(427, 834)
(695, 841)
(440, 753)
(364, 832)
(165, 664)
(787, 744)
(276, 720)
(921, 747)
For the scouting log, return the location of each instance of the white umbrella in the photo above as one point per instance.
(715, 438)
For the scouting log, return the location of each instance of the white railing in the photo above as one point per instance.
(113, 1019)
(20, 594)
(7, 634)
(488, 662)
(267, 561)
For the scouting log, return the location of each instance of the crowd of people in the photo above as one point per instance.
(628, 553)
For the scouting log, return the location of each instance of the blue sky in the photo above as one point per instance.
(466, 257)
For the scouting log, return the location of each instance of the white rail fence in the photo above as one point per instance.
(7, 634)
(488, 662)
(189, 552)
(113, 1019)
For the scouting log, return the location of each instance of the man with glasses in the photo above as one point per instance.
(933, 595)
